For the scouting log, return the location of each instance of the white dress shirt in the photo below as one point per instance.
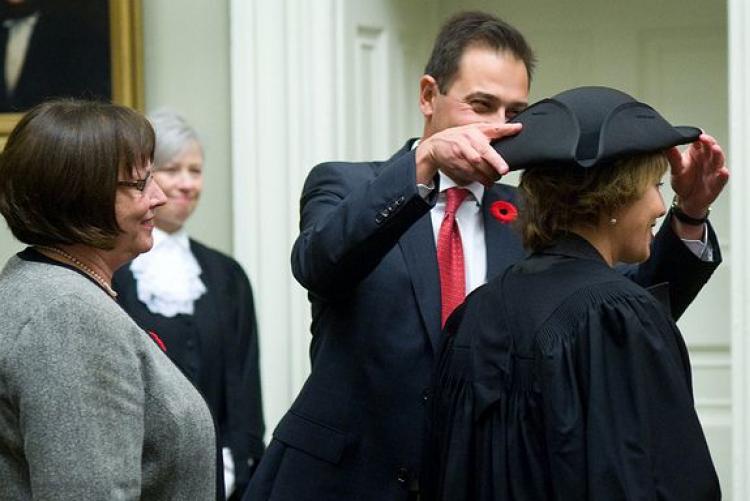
(19, 35)
(470, 225)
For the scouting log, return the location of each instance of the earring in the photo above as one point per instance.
(613, 221)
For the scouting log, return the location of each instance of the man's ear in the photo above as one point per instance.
(428, 91)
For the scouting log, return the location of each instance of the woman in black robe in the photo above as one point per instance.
(562, 379)
(198, 303)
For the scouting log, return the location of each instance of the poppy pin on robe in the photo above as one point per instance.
(503, 211)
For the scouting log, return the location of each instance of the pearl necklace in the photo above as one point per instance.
(83, 267)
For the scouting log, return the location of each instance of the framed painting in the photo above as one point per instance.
(77, 48)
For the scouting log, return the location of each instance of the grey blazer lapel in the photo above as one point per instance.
(418, 247)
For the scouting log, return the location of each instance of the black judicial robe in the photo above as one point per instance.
(217, 350)
(563, 380)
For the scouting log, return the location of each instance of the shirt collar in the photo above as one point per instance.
(475, 188)
(29, 20)
(573, 245)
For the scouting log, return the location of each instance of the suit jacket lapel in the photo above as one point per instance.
(501, 239)
(418, 247)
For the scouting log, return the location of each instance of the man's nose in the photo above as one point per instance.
(499, 116)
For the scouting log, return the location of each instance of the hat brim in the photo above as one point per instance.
(552, 134)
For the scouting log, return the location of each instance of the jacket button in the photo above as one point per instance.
(402, 475)
(426, 394)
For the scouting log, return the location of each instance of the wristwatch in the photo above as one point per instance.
(684, 218)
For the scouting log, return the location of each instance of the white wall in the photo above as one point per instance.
(8, 245)
(186, 68)
(739, 84)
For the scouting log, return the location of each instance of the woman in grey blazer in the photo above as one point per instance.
(90, 406)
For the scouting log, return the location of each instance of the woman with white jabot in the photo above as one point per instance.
(199, 303)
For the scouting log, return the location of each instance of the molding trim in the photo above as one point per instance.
(370, 90)
(285, 81)
(739, 154)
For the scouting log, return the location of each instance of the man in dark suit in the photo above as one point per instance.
(372, 254)
(51, 49)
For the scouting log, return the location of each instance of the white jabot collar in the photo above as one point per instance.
(168, 276)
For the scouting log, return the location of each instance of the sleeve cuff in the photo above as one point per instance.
(425, 190)
(228, 471)
(702, 248)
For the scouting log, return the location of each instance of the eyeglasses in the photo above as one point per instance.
(138, 184)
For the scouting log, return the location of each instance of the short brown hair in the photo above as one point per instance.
(60, 167)
(558, 199)
(472, 29)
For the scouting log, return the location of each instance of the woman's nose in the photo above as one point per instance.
(157, 195)
(662, 207)
(185, 180)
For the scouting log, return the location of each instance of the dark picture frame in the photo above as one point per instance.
(104, 62)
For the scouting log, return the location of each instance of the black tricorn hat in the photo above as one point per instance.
(588, 127)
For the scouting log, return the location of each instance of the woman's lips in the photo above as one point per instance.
(181, 200)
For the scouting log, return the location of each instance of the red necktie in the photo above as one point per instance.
(451, 255)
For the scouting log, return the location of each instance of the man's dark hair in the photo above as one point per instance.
(60, 167)
(472, 29)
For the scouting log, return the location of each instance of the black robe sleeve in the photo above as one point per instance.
(245, 426)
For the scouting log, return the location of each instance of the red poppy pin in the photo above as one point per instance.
(503, 211)
(158, 340)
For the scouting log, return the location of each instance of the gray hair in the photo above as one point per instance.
(173, 133)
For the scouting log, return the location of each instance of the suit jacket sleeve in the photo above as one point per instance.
(671, 261)
(351, 216)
